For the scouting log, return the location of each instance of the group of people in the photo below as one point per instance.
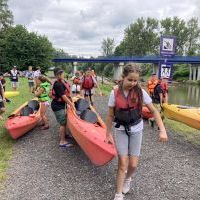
(14, 78)
(85, 84)
(158, 91)
(124, 111)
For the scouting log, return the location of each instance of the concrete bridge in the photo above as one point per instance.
(192, 61)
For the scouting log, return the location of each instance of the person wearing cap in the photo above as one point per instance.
(14, 73)
(61, 96)
(152, 82)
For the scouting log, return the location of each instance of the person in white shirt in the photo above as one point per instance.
(14, 73)
(125, 110)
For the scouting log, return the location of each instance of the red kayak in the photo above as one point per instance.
(22, 120)
(89, 131)
(146, 114)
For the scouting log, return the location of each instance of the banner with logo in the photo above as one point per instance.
(167, 46)
(165, 70)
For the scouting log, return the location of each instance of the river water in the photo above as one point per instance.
(184, 94)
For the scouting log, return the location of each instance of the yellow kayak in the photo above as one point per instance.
(9, 94)
(185, 114)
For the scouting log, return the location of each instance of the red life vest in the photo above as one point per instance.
(76, 81)
(67, 91)
(164, 87)
(127, 112)
(88, 82)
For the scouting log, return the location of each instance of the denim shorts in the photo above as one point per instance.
(61, 117)
(128, 145)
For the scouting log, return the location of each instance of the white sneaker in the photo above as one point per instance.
(126, 186)
(119, 197)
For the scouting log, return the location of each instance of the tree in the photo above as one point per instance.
(140, 38)
(6, 17)
(193, 37)
(22, 49)
(108, 46)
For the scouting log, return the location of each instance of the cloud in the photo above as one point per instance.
(79, 26)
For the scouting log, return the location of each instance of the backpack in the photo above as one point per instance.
(88, 82)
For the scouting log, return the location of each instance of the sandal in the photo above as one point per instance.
(45, 127)
(66, 145)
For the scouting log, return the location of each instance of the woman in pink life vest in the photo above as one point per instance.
(125, 110)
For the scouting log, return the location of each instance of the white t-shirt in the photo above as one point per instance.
(146, 99)
(37, 73)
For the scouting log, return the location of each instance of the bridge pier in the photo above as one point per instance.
(190, 75)
(118, 71)
(194, 73)
(75, 67)
(198, 73)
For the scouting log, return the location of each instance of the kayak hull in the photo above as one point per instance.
(9, 94)
(91, 138)
(18, 125)
(188, 116)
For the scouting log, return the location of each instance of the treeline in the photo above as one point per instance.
(20, 47)
(143, 38)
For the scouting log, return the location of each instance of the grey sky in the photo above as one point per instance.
(79, 26)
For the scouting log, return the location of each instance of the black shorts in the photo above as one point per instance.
(2, 105)
(75, 92)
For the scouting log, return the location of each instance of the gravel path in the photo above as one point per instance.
(40, 170)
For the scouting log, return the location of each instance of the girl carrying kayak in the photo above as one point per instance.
(125, 109)
(43, 85)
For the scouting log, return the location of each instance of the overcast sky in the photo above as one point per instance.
(79, 26)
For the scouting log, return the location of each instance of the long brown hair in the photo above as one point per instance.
(137, 94)
(44, 79)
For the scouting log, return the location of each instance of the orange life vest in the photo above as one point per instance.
(151, 85)
(88, 82)
(67, 91)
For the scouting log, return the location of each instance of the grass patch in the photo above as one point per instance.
(105, 88)
(6, 143)
(189, 134)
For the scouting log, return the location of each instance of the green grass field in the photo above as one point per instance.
(6, 143)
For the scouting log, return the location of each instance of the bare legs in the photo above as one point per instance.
(125, 162)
